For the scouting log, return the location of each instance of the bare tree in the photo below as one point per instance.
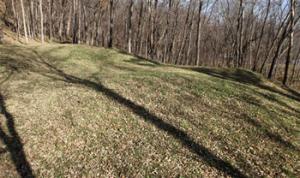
(24, 21)
(111, 24)
(245, 33)
(184, 35)
(291, 41)
(198, 38)
(75, 22)
(50, 8)
(296, 62)
(256, 59)
(16, 18)
(139, 40)
(42, 21)
(129, 25)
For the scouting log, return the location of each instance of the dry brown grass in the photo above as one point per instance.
(90, 112)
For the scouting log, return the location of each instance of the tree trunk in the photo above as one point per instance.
(79, 5)
(24, 21)
(296, 59)
(16, 18)
(256, 59)
(198, 39)
(139, 40)
(61, 20)
(190, 31)
(50, 4)
(42, 21)
(278, 36)
(172, 43)
(149, 30)
(184, 35)
(75, 22)
(68, 29)
(167, 34)
(154, 31)
(111, 24)
(129, 25)
(291, 41)
(239, 38)
(280, 43)
(32, 24)
(14, 10)
(28, 27)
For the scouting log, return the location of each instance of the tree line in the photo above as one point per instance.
(260, 35)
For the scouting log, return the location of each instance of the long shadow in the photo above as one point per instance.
(142, 62)
(279, 102)
(204, 154)
(276, 138)
(139, 58)
(247, 77)
(14, 144)
(297, 94)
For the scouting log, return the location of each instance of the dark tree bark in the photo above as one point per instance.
(139, 40)
(256, 59)
(198, 38)
(291, 42)
(296, 62)
(111, 24)
(184, 35)
(75, 22)
(129, 25)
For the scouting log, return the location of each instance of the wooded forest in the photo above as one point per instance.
(260, 35)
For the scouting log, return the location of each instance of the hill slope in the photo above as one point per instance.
(83, 111)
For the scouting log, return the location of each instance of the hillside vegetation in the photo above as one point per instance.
(73, 110)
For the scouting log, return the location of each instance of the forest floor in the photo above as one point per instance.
(78, 111)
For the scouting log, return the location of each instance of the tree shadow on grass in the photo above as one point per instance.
(264, 129)
(203, 153)
(12, 140)
(250, 78)
(247, 77)
(276, 138)
(142, 62)
(13, 143)
(273, 98)
(139, 60)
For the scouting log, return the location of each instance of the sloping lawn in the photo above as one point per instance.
(78, 111)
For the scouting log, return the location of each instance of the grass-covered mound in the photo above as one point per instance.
(83, 111)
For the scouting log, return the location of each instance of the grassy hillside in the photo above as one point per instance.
(83, 111)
